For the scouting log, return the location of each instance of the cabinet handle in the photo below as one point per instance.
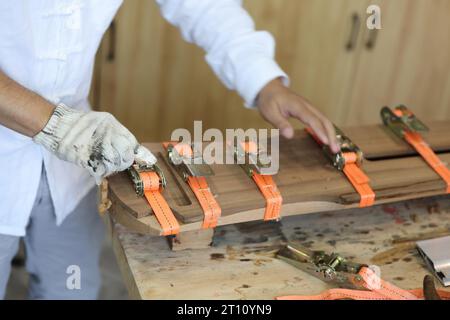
(112, 42)
(356, 24)
(372, 39)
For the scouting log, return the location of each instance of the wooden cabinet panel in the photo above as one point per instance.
(157, 82)
(409, 64)
(312, 38)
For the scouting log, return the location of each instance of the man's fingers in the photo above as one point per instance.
(331, 132)
(319, 130)
(329, 129)
(321, 126)
(287, 132)
(274, 116)
(143, 156)
(305, 115)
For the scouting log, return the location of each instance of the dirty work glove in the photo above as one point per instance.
(95, 141)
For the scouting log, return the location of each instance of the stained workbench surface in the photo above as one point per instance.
(241, 263)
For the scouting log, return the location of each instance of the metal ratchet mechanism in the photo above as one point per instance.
(347, 145)
(248, 156)
(404, 124)
(191, 167)
(148, 182)
(331, 268)
(349, 160)
(134, 172)
(402, 120)
(188, 163)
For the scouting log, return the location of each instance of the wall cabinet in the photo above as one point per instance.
(154, 82)
(409, 63)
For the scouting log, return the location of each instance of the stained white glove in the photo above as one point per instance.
(93, 140)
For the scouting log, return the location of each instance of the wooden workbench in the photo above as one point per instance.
(241, 264)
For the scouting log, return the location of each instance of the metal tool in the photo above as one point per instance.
(134, 172)
(250, 159)
(331, 268)
(347, 145)
(349, 161)
(401, 120)
(188, 165)
(405, 125)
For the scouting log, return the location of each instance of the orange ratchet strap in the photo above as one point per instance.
(181, 156)
(405, 125)
(349, 161)
(377, 289)
(270, 192)
(265, 183)
(149, 182)
(360, 282)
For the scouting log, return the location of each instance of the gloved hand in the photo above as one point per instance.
(93, 140)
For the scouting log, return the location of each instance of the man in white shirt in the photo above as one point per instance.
(52, 145)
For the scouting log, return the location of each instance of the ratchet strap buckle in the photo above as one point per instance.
(149, 181)
(405, 125)
(248, 155)
(135, 174)
(331, 268)
(191, 167)
(349, 160)
(401, 121)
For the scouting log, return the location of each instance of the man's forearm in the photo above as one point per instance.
(21, 109)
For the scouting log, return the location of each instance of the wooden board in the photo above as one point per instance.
(306, 180)
(242, 265)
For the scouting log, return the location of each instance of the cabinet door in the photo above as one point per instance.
(154, 82)
(317, 45)
(408, 64)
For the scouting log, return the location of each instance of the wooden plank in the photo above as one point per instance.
(241, 264)
(379, 142)
(306, 180)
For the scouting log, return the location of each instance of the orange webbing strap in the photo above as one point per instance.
(211, 208)
(359, 180)
(377, 289)
(270, 192)
(417, 142)
(267, 187)
(199, 186)
(355, 175)
(161, 209)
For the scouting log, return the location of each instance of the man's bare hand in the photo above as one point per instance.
(277, 104)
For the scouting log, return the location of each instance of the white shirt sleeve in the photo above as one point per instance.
(240, 56)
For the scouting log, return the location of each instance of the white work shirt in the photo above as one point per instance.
(48, 46)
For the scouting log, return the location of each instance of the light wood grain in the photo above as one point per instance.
(409, 64)
(192, 240)
(241, 264)
(306, 180)
(157, 83)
